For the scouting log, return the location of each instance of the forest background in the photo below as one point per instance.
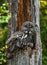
(4, 16)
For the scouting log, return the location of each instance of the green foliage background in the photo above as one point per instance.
(4, 16)
(43, 26)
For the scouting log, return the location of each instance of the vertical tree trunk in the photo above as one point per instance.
(23, 13)
(26, 56)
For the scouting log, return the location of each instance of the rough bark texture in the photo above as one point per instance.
(23, 12)
(26, 56)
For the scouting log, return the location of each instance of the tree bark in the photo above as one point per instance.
(23, 12)
(26, 56)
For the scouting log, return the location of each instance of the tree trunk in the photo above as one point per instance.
(26, 55)
(23, 14)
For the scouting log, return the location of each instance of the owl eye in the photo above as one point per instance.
(25, 26)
